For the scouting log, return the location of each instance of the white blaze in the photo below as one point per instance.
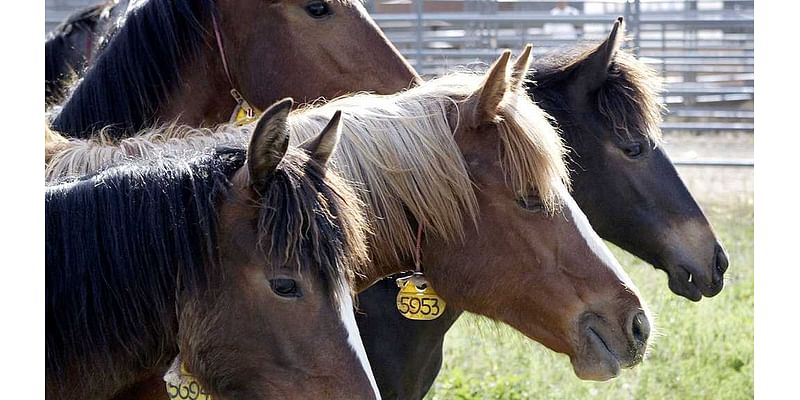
(348, 317)
(593, 240)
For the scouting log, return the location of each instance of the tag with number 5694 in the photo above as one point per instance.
(181, 385)
(418, 301)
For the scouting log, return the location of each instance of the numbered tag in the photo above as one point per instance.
(181, 385)
(244, 114)
(417, 300)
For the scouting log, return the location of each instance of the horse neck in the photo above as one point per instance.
(107, 99)
(203, 98)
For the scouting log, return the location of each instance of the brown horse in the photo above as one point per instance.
(178, 59)
(608, 106)
(472, 160)
(243, 262)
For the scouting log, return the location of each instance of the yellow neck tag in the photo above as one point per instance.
(181, 385)
(244, 114)
(417, 300)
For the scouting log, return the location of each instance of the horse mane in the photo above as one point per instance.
(76, 157)
(310, 217)
(138, 69)
(399, 146)
(59, 73)
(402, 148)
(119, 244)
(122, 243)
(629, 100)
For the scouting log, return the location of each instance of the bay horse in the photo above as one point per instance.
(241, 260)
(607, 106)
(454, 157)
(176, 60)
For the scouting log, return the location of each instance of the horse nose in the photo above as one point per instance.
(639, 331)
(720, 260)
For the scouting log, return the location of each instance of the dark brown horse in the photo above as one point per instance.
(607, 105)
(179, 59)
(242, 261)
(623, 179)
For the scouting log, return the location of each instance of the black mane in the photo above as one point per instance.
(138, 69)
(628, 100)
(64, 60)
(118, 246)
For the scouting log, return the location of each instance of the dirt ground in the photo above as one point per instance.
(714, 184)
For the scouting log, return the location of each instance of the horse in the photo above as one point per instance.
(452, 158)
(242, 260)
(171, 59)
(607, 105)
(71, 46)
(644, 206)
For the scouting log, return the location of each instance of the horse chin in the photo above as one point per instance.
(596, 362)
(683, 283)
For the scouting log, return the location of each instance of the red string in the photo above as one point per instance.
(221, 49)
(417, 257)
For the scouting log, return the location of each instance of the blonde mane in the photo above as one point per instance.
(400, 152)
(77, 157)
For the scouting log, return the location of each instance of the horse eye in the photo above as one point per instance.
(318, 9)
(531, 203)
(285, 287)
(633, 150)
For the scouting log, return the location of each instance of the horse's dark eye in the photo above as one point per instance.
(285, 287)
(318, 9)
(531, 203)
(633, 150)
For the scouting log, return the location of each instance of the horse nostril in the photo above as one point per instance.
(640, 328)
(720, 260)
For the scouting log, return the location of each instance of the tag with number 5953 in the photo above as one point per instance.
(418, 301)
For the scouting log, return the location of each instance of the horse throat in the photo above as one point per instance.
(203, 97)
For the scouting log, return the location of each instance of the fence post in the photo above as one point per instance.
(637, 10)
(628, 19)
(418, 4)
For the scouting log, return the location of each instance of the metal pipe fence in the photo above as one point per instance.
(703, 49)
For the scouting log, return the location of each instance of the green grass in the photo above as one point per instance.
(703, 350)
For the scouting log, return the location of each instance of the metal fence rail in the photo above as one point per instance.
(703, 49)
(716, 163)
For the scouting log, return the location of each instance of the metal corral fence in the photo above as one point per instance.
(703, 49)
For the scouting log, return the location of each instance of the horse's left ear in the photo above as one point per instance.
(521, 67)
(487, 98)
(321, 147)
(269, 143)
(593, 71)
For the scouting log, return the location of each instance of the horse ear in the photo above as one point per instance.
(593, 70)
(492, 90)
(269, 143)
(520, 69)
(321, 147)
